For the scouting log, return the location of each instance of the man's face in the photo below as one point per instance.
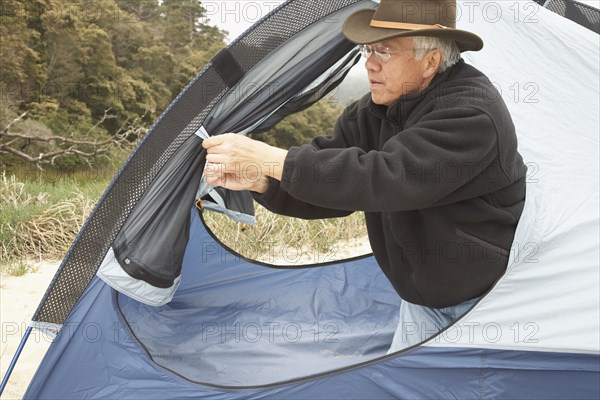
(401, 75)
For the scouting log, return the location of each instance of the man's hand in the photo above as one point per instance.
(238, 163)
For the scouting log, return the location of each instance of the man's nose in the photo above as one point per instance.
(372, 63)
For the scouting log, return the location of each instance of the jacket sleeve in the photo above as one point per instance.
(279, 201)
(443, 158)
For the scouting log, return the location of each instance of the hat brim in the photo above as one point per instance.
(357, 28)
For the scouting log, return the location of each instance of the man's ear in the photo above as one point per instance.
(433, 62)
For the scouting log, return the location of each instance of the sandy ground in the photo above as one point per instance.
(19, 298)
(305, 256)
(21, 295)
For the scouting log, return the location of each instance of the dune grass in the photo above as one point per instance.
(276, 238)
(40, 217)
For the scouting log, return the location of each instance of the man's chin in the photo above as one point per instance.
(378, 100)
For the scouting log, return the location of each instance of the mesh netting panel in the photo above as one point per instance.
(580, 13)
(278, 27)
(181, 120)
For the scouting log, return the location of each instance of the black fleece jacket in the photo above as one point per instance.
(438, 175)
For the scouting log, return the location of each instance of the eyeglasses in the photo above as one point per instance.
(382, 52)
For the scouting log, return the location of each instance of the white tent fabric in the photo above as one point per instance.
(547, 69)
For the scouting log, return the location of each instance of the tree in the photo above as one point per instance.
(48, 148)
(64, 64)
(182, 21)
(302, 127)
(20, 71)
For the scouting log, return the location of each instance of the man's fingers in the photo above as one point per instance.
(215, 141)
(211, 169)
(220, 165)
(214, 180)
(216, 158)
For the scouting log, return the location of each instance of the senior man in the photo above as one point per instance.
(430, 155)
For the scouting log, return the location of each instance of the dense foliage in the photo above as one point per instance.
(68, 64)
(300, 128)
(77, 59)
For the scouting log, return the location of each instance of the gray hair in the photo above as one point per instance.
(424, 44)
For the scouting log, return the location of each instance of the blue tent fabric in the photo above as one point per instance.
(230, 312)
(109, 330)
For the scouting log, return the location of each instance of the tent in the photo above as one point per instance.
(149, 304)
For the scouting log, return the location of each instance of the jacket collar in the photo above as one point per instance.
(399, 112)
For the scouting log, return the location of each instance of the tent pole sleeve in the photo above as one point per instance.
(14, 360)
